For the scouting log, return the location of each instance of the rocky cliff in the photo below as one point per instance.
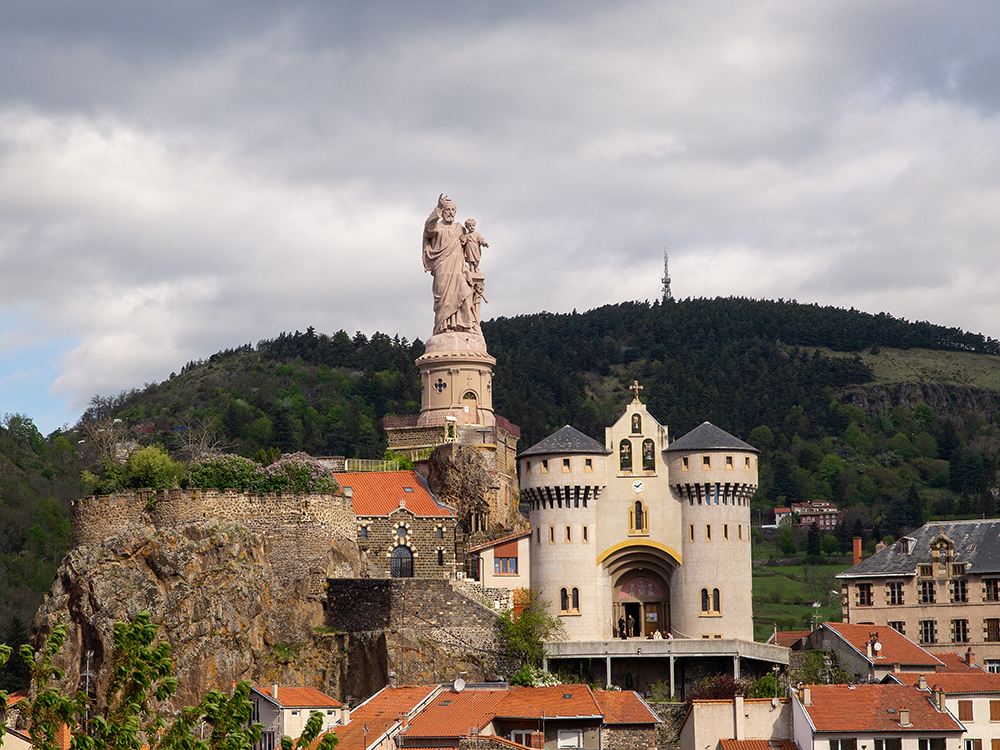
(211, 588)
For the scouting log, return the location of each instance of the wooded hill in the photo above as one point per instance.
(812, 387)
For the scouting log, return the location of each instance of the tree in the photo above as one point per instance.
(135, 707)
(813, 543)
(524, 630)
(786, 542)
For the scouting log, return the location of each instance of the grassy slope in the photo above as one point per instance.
(927, 366)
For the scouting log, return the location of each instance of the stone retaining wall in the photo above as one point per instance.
(301, 528)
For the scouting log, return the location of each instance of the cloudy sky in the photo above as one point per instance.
(181, 177)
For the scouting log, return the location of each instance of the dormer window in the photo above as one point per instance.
(905, 546)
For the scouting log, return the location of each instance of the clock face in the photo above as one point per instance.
(638, 486)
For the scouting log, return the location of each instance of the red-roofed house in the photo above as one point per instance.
(872, 652)
(375, 723)
(710, 723)
(562, 716)
(285, 710)
(876, 717)
(972, 695)
(503, 563)
(404, 529)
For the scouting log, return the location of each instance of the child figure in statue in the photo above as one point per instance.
(473, 242)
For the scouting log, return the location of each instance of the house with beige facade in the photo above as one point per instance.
(938, 586)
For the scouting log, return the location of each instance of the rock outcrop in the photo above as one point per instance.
(211, 588)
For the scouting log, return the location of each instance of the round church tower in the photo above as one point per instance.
(562, 479)
(714, 475)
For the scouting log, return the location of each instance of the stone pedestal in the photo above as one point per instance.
(456, 374)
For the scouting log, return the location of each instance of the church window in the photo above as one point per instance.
(563, 600)
(729, 463)
(569, 533)
(401, 532)
(565, 466)
(538, 536)
(363, 532)
(588, 464)
(739, 532)
(708, 532)
(648, 455)
(636, 424)
(704, 600)
(725, 532)
(691, 533)
(706, 462)
(586, 534)
(716, 601)
(625, 455)
(684, 464)
(440, 557)
(576, 599)
(638, 519)
(440, 532)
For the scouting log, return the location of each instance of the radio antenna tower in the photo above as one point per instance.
(667, 294)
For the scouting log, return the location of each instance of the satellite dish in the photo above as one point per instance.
(877, 646)
(459, 685)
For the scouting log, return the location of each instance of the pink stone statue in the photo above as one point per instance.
(473, 243)
(444, 257)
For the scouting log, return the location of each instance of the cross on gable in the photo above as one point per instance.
(440, 385)
(635, 388)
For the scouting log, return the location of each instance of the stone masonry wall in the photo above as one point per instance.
(301, 529)
(429, 606)
(382, 536)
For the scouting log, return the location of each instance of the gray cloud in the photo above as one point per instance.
(176, 178)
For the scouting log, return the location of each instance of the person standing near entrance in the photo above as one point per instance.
(631, 626)
(621, 628)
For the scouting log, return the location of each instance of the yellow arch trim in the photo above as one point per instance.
(638, 543)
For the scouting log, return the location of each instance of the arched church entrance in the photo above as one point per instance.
(640, 573)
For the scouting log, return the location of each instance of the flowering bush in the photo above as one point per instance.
(296, 472)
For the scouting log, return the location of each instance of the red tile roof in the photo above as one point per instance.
(866, 708)
(758, 745)
(788, 638)
(624, 707)
(377, 493)
(16, 697)
(558, 700)
(374, 717)
(501, 540)
(299, 697)
(896, 648)
(956, 663)
(972, 681)
(452, 714)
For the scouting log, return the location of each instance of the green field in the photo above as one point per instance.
(781, 593)
(931, 366)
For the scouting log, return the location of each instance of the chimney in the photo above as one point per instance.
(274, 693)
(940, 698)
(922, 683)
(739, 732)
(807, 696)
(869, 652)
(904, 717)
(970, 658)
(857, 550)
(538, 740)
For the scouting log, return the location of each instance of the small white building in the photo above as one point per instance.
(285, 711)
(504, 563)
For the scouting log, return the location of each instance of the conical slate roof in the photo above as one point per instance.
(708, 437)
(567, 440)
